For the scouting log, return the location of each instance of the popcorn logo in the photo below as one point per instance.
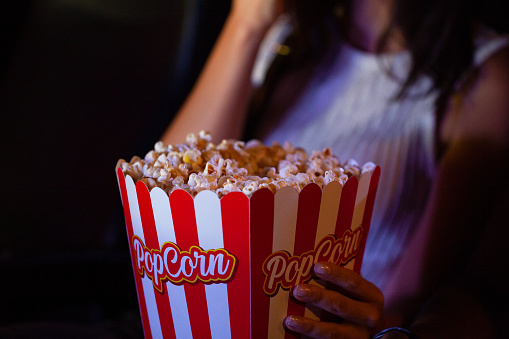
(172, 264)
(209, 266)
(285, 271)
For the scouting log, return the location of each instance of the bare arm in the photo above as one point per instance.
(219, 99)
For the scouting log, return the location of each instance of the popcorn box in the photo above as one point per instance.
(223, 268)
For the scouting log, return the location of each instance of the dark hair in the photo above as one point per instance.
(439, 36)
(316, 26)
(437, 33)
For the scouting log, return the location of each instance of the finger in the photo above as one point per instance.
(323, 330)
(350, 282)
(354, 311)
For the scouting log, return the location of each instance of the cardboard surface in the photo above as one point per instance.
(223, 268)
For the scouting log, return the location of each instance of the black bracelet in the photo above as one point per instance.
(396, 329)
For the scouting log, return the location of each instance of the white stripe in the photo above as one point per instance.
(210, 234)
(360, 205)
(148, 287)
(327, 219)
(219, 314)
(329, 208)
(208, 220)
(162, 216)
(360, 200)
(153, 314)
(166, 233)
(285, 222)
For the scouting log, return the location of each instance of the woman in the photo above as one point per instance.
(420, 89)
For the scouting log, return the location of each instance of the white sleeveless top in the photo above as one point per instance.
(350, 108)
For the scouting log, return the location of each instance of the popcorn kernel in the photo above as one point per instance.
(237, 166)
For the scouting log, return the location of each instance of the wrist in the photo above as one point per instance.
(247, 21)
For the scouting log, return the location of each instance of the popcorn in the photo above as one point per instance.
(236, 166)
(243, 250)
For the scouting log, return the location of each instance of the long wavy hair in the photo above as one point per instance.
(437, 33)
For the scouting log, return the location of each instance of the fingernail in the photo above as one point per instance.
(322, 268)
(293, 322)
(301, 291)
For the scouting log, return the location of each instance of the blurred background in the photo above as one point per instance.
(83, 83)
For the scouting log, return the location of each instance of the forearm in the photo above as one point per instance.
(219, 99)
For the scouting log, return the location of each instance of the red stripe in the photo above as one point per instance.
(235, 219)
(307, 221)
(261, 231)
(184, 220)
(343, 223)
(366, 219)
(152, 242)
(137, 277)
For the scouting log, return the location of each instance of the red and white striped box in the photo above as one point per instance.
(211, 268)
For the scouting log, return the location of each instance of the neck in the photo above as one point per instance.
(369, 20)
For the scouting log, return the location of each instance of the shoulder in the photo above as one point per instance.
(480, 108)
(486, 43)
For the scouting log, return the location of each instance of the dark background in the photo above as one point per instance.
(83, 83)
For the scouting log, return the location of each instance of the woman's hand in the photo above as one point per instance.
(257, 14)
(356, 301)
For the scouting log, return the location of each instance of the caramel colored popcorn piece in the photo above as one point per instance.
(236, 166)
